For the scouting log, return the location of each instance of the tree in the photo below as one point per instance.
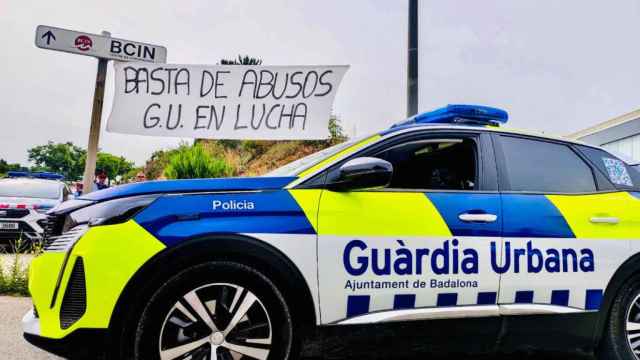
(242, 60)
(113, 165)
(63, 158)
(6, 167)
(193, 162)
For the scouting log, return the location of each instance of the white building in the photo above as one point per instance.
(620, 135)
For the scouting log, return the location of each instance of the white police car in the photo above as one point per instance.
(445, 233)
(24, 200)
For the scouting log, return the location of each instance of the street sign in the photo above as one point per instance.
(100, 46)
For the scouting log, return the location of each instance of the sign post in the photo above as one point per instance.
(105, 48)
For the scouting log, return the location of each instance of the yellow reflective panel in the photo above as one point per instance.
(111, 254)
(43, 276)
(339, 155)
(308, 200)
(594, 216)
(379, 214)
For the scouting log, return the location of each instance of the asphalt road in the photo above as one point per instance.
(14, 347)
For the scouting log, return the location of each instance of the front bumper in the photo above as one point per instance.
(109, 257)
(81, 344)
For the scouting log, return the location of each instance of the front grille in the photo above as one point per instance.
(53, 226)
(13, 213)
(74, 302)
(65, 242)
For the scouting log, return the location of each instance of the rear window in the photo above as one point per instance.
(544, 167)
(29, 189)
(619, 173)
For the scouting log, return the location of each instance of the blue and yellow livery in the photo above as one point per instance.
(443, 227)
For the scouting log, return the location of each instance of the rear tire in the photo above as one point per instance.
(622, 334)
(216, 310)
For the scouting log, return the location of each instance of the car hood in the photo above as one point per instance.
(191, 185)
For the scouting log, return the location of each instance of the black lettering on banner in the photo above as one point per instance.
(266, 120)
(219, 83)
(156, 119)
(196, 126)
(283, 114)
(158, 80)
(206, 74)
(130, 77)
(219, 120)
(275, 86)
(261, 83)
(298, 84)
(236, 126)
(183, 82)
(248, 82)
(177, 120)
(306, 80)
(255, 126)
(325, 84)
(299, 112)
(169, 71)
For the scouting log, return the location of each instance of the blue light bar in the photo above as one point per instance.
(47, 175)
(17, 174)
(460, 114)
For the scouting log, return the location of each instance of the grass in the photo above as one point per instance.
(14, 273)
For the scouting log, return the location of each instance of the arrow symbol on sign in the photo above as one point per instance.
(49, 35)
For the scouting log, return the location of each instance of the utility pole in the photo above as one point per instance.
(94, 130)
(412, 60)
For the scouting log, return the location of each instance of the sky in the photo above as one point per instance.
(556, 66)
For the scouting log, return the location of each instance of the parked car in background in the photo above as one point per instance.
(24, 200)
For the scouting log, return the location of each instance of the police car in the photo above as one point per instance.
(24, 200)
(445, 233)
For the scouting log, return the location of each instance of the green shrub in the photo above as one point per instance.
(15, 275)
(193, 162)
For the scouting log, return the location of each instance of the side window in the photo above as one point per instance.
(434, 164)
(621, 175)
(540, 166)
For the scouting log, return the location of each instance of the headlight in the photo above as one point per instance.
(109, 212)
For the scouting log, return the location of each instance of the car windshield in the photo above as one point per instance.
(295, 167)
(29, 189)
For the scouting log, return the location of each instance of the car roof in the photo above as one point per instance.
(25, 180)
(499, 129)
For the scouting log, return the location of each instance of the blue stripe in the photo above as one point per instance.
(524, 297)
(636, 194)
(358, 305)
(173, 219)
(447, 299)
(533, 216)
(593, 299)
(560, 297)
(451, 205)
(404, 301)
(487, 298)
(190, 185)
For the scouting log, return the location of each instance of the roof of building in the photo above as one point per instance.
(616, 121)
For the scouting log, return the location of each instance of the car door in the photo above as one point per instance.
(419, 248)
(566, 226)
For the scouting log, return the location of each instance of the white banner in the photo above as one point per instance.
(224, 101)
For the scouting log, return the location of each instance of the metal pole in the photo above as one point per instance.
(412, 60)
(94, 130)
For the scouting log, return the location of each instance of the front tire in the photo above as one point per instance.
(216, 311)
(621, 340)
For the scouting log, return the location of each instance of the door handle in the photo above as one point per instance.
(482, 218)
(604, 220)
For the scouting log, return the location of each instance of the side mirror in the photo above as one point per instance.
(362, 173)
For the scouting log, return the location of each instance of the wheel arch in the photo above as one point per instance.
(629, 268)
(231, 247)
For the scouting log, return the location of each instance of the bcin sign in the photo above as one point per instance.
(100, 46)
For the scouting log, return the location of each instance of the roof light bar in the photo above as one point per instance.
(460, 114)
(37, 175)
